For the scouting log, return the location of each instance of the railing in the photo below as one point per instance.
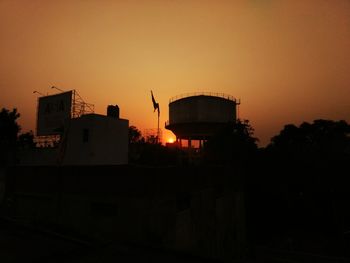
(213, 94)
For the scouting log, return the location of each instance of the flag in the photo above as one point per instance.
(155, 104)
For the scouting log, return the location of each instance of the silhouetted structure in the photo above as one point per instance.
(54, 111)
(95, 139)
(91, 139)
(156, 108)
(113, 111)
(199, 116)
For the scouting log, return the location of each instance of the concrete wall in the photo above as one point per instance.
(96, 140)
(202, 109)
(195, 210)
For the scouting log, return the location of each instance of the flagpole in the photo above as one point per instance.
(156, 107)
(158, 129)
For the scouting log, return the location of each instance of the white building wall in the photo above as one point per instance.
(96, 140)
(202, 109)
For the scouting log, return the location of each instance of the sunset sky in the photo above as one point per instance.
(288, 61)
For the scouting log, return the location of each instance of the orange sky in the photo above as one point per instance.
(288, 61)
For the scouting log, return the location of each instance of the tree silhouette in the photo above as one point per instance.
(234, 142)
(147, 151)
(304, 188)
(134, 135)
(26, 140)
(9, 129)
(323, 139)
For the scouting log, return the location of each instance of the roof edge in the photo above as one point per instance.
(210, 94)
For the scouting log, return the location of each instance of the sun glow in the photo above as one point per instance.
(171, 140)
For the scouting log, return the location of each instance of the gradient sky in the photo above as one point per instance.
(288, 61)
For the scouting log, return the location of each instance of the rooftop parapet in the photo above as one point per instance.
(212, 94)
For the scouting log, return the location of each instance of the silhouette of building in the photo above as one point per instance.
(90, 139)
(198, 116)
(95, 139)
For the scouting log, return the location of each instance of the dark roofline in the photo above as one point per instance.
(209, 94)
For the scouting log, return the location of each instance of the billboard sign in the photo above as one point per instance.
(53, 112)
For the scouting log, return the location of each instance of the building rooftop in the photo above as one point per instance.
(212, 94)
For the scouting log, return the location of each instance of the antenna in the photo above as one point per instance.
(38, 92)
(54, 87)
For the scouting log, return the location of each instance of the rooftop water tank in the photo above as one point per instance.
(113, 111)
(200, 115)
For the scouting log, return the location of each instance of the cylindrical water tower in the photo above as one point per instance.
(198, 116)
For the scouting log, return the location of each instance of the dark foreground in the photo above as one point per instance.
(174, 214)
(24, 242)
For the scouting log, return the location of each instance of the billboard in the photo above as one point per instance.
(53, 111)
